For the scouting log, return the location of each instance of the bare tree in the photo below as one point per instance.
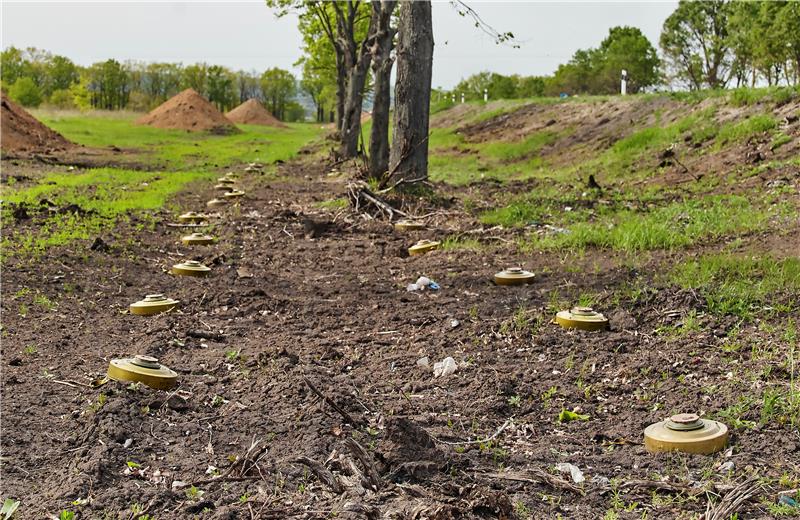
(382, 62)
(409, 154)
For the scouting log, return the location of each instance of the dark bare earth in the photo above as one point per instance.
(303, 298)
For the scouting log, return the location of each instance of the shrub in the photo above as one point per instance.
(25, 92)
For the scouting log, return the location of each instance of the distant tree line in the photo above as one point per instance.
(32, 76)
(704, 44)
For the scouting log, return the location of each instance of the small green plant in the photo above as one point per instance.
(569, 415)
(22, 310)
(232, 355)
(515, 401)
(9, 507)
(44, 302)
(66, 515)
(133, 465)
(548, 394)
(31, 350)
(193, 493)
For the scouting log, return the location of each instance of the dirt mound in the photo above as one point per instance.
(188, 111)
(23, 133)
(252, 112)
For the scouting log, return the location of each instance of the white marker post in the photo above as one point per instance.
(485, 95)
(623, 87)
(462, 97)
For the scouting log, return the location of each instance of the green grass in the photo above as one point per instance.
(676, 225)
(109, 195)
(741, 285)
(179, 150)
(741, 130)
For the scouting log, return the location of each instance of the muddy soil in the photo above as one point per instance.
(304, 302)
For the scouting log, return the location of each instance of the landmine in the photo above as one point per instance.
(422, 247)
(191, 216)
(197, 239)
(688, 433)
(233, 194)
(190, 268)
(142, 369)
(583, 318)
(153, 304)
(215, 203)
(513, 276)
(408, 225)
(222, 186)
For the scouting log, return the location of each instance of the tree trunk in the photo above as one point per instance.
(412, 95)
(382, 70)
(357, 61)
(341, 76)
(351, 125)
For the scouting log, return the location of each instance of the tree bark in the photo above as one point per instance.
(412, 95)
(382, 62)
(357, 61)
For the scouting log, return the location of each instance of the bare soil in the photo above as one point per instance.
(253, 112)
(23, 135)
(190, 111)
(304, 302)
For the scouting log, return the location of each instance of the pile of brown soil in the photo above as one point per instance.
(252, 112)
(188, 111)
(24, 134)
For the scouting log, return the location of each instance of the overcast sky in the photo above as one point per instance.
(246, 35)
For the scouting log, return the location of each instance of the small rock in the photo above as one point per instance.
(725, 467)
(573, 470)
(445, 367)
(423, 362)
(454, 324)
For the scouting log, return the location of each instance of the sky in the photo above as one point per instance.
(247, 35)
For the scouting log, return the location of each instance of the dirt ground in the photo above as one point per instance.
(306, 302)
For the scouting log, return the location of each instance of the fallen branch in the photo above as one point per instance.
(347, 417)
(732, 500)
(323, 474)
(360, 195)
(365, 458)
(536, 476)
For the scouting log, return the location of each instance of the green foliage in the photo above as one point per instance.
(278, 86)
(598, 71)
(9, 507)
(25, 92)
(569, 415)
(695, 44)
(741, 285)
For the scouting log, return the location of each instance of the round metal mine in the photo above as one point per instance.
(513, 276)
(153, 304)
(227, 179)
(190, 268)
(408, 225)
(584, 318)
(142, 369)
(422, 247)
(233, 194)
(224, 186)
(191, 216)
(215, 203)
(688, 433)
(197, 239)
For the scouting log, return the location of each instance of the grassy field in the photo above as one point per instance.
(167, 162)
